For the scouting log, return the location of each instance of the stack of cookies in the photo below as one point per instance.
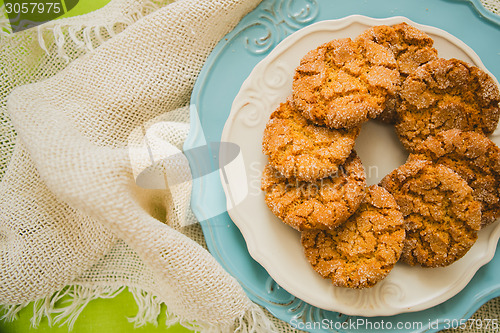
(428, 211)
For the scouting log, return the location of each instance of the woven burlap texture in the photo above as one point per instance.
(71, 213)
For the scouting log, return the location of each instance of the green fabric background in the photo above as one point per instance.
(101, 315)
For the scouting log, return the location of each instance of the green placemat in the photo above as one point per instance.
(101, 315)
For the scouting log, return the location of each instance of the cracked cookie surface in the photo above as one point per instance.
(298, 148)
(343, 83)
(321, 204)
(411, 48)
(363, 250)
(440, 213)
(475, 158)
(445, 94)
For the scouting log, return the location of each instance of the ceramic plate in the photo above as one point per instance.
(275, 245)
(220, 80)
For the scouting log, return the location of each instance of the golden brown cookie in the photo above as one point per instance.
(321, 204)
(441, 215)
(475, 158)
(363, 250)
(445, 94)
(411, 48)
(343, 83)
(298, 148)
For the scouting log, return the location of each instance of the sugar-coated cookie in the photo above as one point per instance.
(343, 83)
(411, 48)
(298, 148)
(363, 250)
(441, 215)
(444, 94)
(321, 204)
(475, 158)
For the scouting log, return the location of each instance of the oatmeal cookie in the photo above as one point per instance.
(441, 215)
(343, 83)
(321, 204)
(298, 148)
(411, 48)
(475, 158)
(445, 94)
(364, 249)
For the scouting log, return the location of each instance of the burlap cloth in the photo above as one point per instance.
(73, 221)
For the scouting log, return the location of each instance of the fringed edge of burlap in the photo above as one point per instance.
(251, 321)
(58, 310)
(65, 306)
(95, 29)
(86, 31)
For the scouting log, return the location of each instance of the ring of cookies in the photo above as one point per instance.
(428, 211)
